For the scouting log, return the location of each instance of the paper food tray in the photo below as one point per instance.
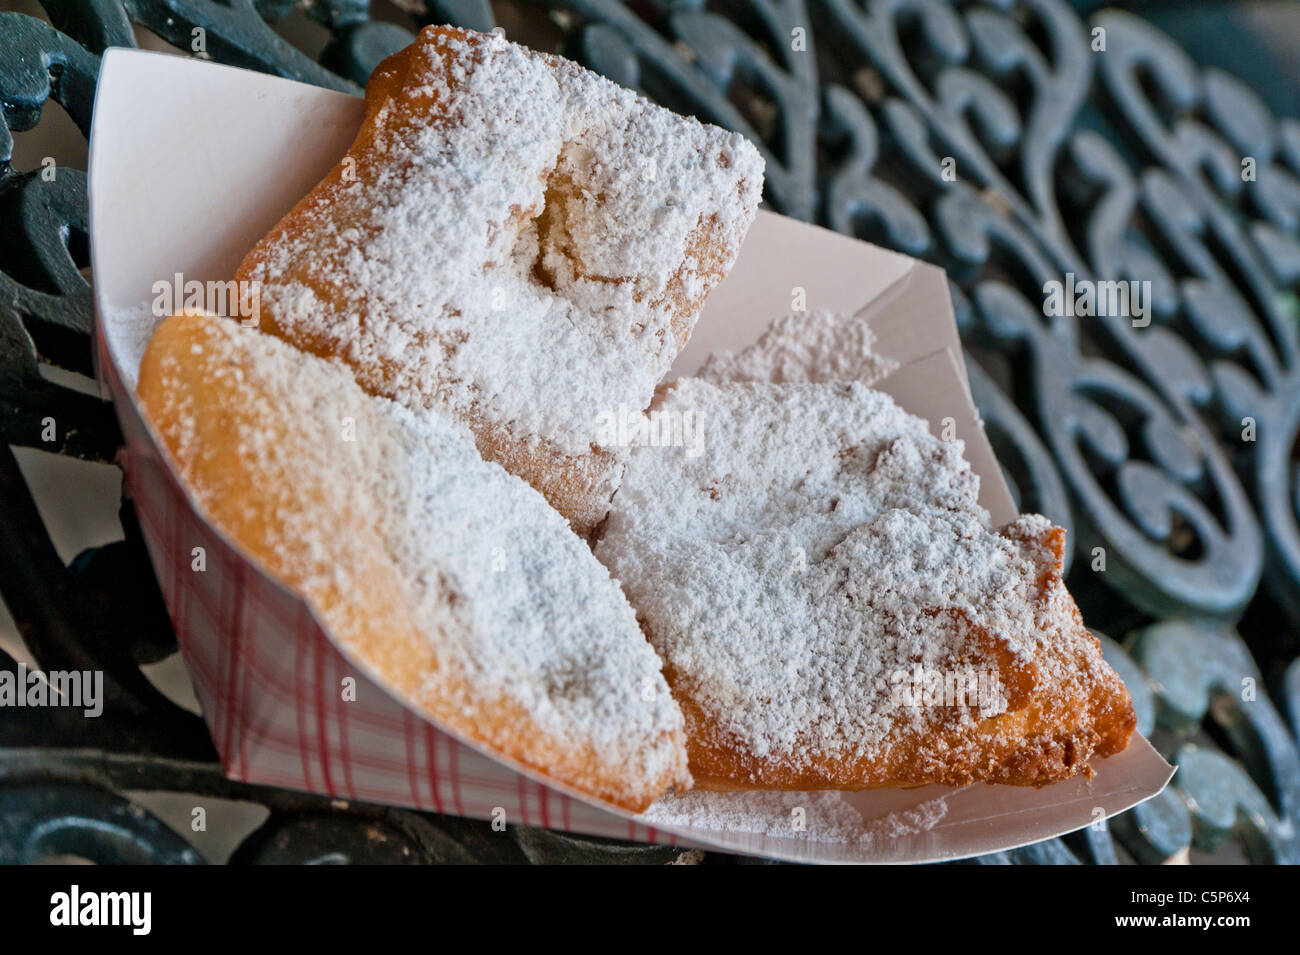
(190, 164)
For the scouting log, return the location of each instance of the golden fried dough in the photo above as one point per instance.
(834, 610)
(449, 579)
(517, 240)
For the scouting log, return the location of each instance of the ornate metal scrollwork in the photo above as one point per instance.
(1011, 142)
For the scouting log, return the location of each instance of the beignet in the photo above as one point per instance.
(834, 610)
(517, 240)
(453, 581)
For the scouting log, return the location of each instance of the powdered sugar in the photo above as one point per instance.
(127, 331)
(911, 821)
(816, 816)
(797, 572)
(523, 243)
(813, 346)
(509, 597)
(541, 620)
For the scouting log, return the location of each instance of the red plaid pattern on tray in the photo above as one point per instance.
(270, 683)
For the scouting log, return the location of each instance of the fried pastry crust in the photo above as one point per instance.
(573, 235)
(254, 427)
(820, 549)
(1050, 732)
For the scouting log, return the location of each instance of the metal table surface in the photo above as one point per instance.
(1013, 142)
